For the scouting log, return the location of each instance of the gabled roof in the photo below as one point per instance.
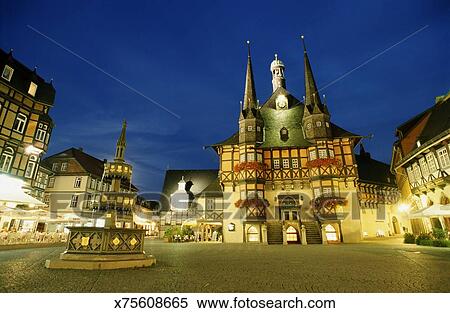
(90, 164)
(23, 76)
(373, 171)
(201, 179)
(425, 127)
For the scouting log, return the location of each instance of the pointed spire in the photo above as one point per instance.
(312, 97)
(121, 143)
(249, 93)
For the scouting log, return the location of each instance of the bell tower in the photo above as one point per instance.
(277, 70)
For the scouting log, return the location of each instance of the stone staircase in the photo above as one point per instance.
(313, 235)
(274, 233)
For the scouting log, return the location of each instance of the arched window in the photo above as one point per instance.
(252, 234)
(6, 159)
(31, 165)
(291, 235)
(330, 232)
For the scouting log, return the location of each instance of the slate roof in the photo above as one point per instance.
(437, 122)
(291, 119)
(90, 164)
(373, 171)
(22, 76)
(201, 179)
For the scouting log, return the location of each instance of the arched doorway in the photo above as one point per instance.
(395, 225)
(292, 235)
(331, 233)
(252, 234)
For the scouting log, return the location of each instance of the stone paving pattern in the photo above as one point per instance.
(193, 267)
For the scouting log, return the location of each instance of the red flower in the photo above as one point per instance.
(249, 166)
(324, 162)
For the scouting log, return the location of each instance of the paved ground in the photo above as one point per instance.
(384, 266)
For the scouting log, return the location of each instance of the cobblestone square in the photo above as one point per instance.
(191, 267)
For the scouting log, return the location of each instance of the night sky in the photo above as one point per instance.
(190, 57)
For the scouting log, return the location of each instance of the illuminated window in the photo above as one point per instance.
(41, 132)
(322, 154)
(291, 234)
(32, 89)
(250, 157)
(31, 165)
(276, 164)
(74, 201)
(443, 157)
(410, 174)
(64, 167)
(416, 171)
(327, 124)
(424, 167)
(47, 199)
(308, 126)
(51, 182)
(330, 233)
(294, 163)
(55, 167)
(312, 155)
(250, 128)
(318, 124)
(252, 234)
(327, 191)
(6, 159)
(285, 163)
(431, 162)
(7, 72)
(77, 183)
(19, 123)
(331, 153)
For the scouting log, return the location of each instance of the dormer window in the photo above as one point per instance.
(284, 135)
(32, 89)
(7, 72)
(418, 143)
(250, 128)
(318, 123)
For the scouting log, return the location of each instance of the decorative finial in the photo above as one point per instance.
(276, 56)
(303, 41)
(248, 47)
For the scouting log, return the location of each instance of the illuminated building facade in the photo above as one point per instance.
(25, 129)
(421, 162)
(288, 175)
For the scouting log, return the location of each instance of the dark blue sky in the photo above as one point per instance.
(190, 57)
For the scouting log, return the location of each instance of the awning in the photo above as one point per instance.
(434, 210)
(12, 194)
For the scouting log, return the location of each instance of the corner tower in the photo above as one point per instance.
(316, 118)
(250, 121)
